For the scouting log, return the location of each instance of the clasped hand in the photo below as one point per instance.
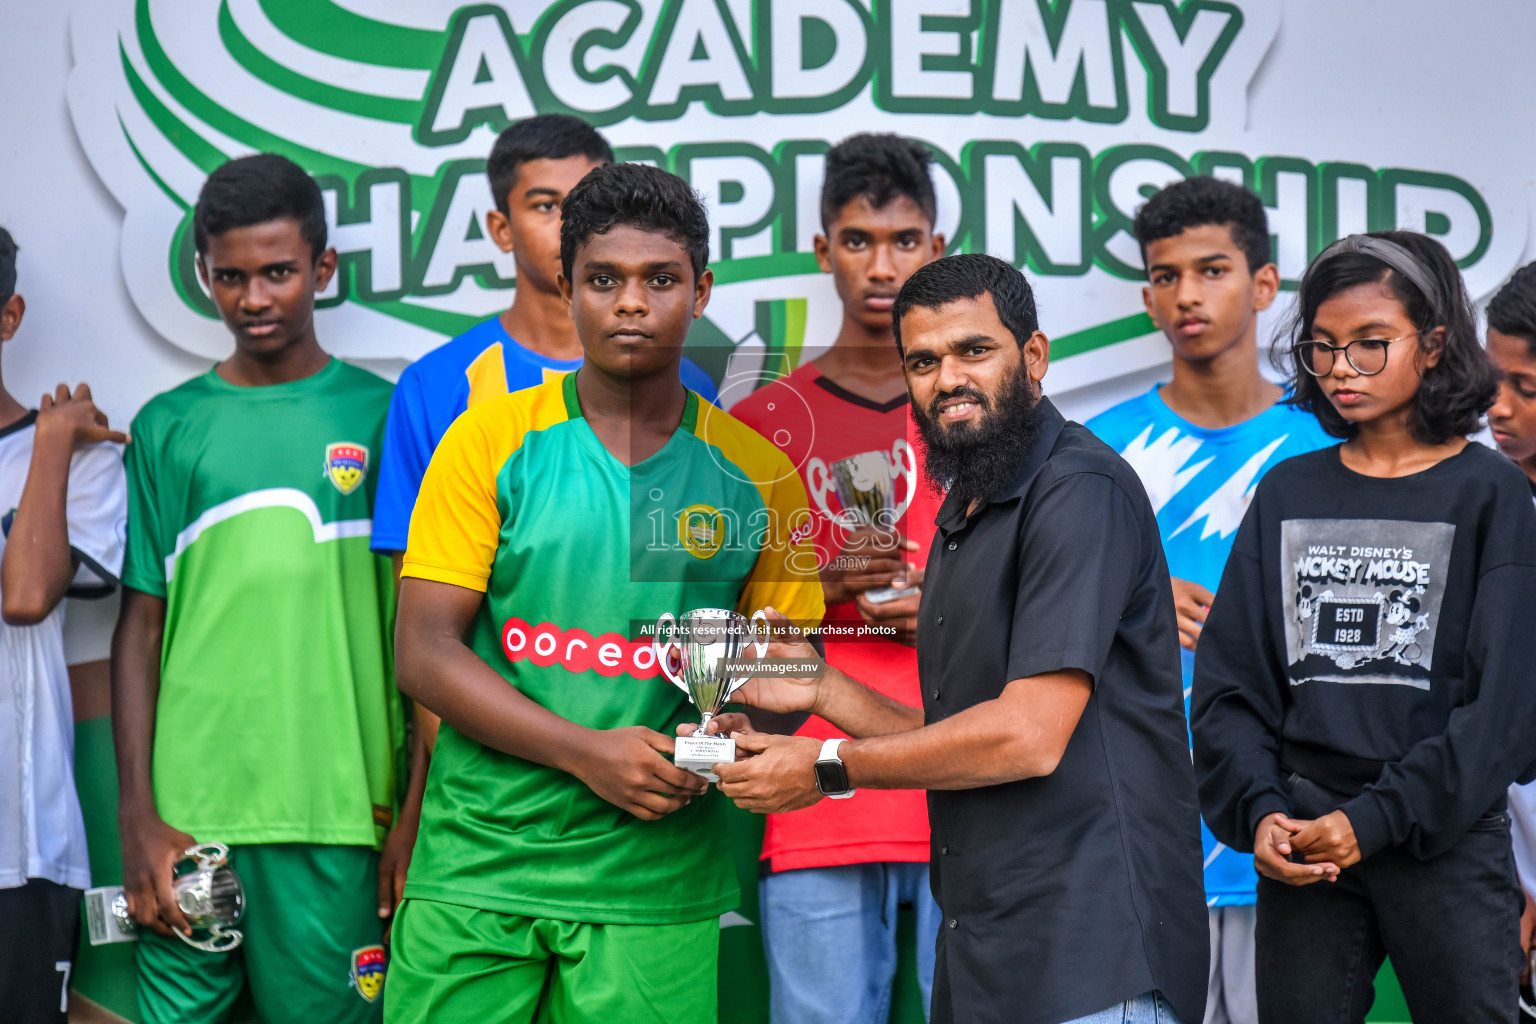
(1325, 845)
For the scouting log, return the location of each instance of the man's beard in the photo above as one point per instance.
(977, 461)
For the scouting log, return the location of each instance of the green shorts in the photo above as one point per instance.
(312, 951)
(453, 963)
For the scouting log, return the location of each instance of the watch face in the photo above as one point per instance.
(831, 777)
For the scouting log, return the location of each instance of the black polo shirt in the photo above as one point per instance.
(1066, 894)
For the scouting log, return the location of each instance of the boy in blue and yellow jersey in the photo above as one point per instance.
(566, 869)
(531, 168)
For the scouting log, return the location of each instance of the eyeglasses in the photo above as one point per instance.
(1368, 356)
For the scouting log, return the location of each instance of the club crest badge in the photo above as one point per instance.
(346, 465)
(700, 530)
(368, 971)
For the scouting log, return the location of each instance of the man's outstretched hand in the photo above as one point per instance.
(779, 693)
(770, 771)
(772, 774)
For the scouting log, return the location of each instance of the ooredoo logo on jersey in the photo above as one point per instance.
(576, 650)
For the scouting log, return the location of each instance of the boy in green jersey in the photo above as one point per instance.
(252, 703)
(566, 870)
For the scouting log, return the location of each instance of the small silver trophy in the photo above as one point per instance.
(703, 639)
(865, 485)
(209, 893)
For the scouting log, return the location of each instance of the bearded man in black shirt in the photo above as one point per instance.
(1065, 834)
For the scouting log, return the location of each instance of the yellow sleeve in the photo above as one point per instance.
(787, 576)
(456, 524)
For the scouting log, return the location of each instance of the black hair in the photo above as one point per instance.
(969, 276)
(545, 137)
(1512, 311)
(8, 250)
(1456, 391)
(879, 167)
(638, 195)
(256, 189)
(1200, 201)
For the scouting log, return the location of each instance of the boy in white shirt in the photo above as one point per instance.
(63, 510)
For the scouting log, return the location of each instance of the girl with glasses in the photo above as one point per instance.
(1361, 701)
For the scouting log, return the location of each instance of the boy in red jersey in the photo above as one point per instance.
(834, 873)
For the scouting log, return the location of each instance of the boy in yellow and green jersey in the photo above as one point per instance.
(566, 870)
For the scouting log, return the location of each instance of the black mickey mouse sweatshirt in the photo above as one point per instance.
(1376, 637)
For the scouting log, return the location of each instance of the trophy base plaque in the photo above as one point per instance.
(699, 754)
(106, 916)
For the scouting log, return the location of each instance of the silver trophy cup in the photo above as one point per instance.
(692, 652)
(209, 893)
(865, 485)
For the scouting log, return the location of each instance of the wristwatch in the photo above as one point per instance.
(831, 773)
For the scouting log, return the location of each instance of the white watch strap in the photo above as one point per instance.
(829, 753)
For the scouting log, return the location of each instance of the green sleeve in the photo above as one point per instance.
(144, 560)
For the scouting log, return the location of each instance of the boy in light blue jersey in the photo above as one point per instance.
(532, 166)
(1200, 444)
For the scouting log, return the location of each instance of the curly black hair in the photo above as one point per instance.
(638, 195)
(968, 276)
(1200, 201)
(1456, 391)
(1513, 310)
(544, 137)
(253, 190)
(880, 167)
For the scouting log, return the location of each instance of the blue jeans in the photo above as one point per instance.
(829, 935)
(1148, 1008)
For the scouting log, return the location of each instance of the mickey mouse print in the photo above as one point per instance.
(1362, 598)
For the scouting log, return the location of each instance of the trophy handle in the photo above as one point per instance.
(207, 855)
(904, 461)
(219, 940)
(818, 479)
(761, 646)
(662, 661)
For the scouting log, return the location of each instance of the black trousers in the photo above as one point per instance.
(1451, 925)
(39, 935)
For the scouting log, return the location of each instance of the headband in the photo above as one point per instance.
(1396, 257)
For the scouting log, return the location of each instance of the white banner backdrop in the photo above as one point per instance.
(1050, 121)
